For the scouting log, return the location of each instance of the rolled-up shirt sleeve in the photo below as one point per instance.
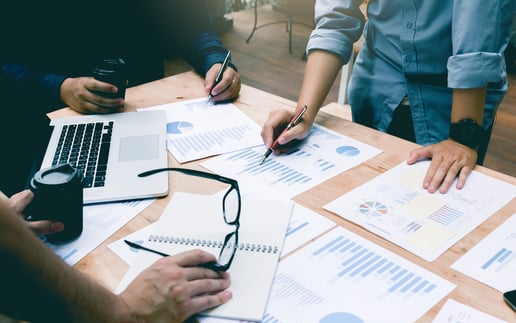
(338, 24)
(477, 58)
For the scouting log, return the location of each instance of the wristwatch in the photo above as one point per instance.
(467, 132)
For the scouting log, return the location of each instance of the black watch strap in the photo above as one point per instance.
(468, 133)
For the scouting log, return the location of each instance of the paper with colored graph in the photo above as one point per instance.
(396, 207)
(342, 277)
(322, 155)
(493, 260)
(198, 129)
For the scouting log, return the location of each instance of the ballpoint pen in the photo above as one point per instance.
(295, 120)
(219, 75)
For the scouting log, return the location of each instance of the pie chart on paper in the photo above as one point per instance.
(349, 151)
(179, 127)
(373, 208)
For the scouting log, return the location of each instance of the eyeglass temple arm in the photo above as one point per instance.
(190, 172)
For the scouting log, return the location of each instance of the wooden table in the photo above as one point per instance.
(106, 267)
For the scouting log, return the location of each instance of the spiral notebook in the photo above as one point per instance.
(195, 221)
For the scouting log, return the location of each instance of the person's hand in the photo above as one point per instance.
(276, 122)
(19, 202)
(77, 94)
(174, 288)
(449, 160)
(229, 86)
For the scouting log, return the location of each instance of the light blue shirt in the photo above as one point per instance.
(422, 49)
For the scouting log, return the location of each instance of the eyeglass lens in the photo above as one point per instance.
(231, 206)
(228, 249)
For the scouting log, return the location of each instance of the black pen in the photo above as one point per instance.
(295, 120)
(212, 265)
(221, 72)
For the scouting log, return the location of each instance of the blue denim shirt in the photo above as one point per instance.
(422, 49)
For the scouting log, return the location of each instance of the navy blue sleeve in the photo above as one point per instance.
(198, 44)
(20, 79)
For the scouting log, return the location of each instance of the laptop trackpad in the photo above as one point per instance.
(139, 148)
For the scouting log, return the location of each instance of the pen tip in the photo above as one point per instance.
(261, 161)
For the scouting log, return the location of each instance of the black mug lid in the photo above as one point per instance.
(55, 176)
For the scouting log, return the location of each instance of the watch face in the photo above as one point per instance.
(467, 132)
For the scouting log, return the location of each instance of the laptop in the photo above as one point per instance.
(121, 144)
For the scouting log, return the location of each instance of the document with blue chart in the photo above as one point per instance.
(197, 129)
(342, 277)
(322, 155)
(395, 206)
(492, 261)
(455, 312)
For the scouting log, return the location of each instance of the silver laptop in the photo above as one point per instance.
(113, 150)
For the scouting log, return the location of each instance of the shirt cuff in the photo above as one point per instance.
(474, 70)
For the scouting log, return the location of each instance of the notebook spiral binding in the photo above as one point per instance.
(213, 244)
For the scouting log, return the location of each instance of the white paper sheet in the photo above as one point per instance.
(342, 277)
(455, 312)
(198, 129)
(322, 155)
(396, 207)
(493, 260)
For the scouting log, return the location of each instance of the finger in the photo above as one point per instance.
(45, 227)
(274, 124)
(463, 175)
(418, 154)
(20, 200)
(228, 80)
(447, 181)
(99, 86)
(435, 175)
(209, 78)
(204, 286)
(193, 258)
(201, 303)
(230, 92)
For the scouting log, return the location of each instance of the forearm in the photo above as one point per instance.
(468, 104)
(321, 70)
(38, 286)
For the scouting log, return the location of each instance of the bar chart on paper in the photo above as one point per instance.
(493, 260)
(198, 129)
(353, 276)
(322, 155)
(395, 206)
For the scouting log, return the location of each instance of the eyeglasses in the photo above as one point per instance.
(230, 209)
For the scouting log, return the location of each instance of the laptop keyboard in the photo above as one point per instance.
(86, 147)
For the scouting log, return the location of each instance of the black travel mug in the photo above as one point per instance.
(112, 71)
(58, 196)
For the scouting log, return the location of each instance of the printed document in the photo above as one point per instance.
(342, 277)
(493, 260)
(396, 207)
(197, 129)
(322, 155)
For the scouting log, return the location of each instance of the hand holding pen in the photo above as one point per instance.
(227, 81)
(293, 122)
